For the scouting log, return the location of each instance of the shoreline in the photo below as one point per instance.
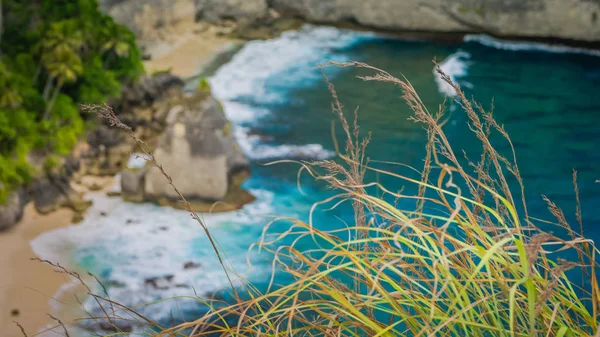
(30, 290)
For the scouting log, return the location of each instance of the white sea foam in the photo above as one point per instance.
(254, 148)
(139, 250)
(249, 70)
(489, 41)
(309, 151)
(137, 160)
(456, 67)
(290, 59)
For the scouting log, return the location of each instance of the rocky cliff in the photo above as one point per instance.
(563, 19)
(200, 153)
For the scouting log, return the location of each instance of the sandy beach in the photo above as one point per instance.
(28, 288)
(31, 290)
(186, 54)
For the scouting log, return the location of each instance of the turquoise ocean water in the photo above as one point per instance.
(546, 96)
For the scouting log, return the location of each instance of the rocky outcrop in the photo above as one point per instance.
(213, 10)
(566, 19)
(144, 107)
(563, 19)
(150, 19)
(12, 210)
(52, 189)
(200, 153)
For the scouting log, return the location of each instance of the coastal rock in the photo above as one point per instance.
(191, 265)
(213, 10)
(53, 192)
(150, 19)
(196, 148)
(160, 283)
(142, 106)
(567, 19)
(201, 154)
(112, 325)
(563, 19)
(192, 151)
(150, 89)
(12, 211)
(132, 185)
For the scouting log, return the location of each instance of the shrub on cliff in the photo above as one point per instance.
(52, 55)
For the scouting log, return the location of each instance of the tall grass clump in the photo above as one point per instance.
(467, 259)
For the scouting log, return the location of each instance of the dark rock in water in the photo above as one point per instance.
(191, 265)
(163, 228)
(110, 325)
(12, 211)
(129, 221)
(160, 282)
(114, 283)
(103, 214)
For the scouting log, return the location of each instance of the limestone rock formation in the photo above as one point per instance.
(200, 153)
(144, 107)
(564, 19)
(567, 19)
(235, 9)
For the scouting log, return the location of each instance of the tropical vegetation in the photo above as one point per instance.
(53, 56)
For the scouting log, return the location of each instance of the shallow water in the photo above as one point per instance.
(273, 92)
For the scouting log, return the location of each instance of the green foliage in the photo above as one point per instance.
(203, 86)
(51, 162)
(54, 55)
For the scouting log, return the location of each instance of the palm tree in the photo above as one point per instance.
(115, 44)
(65, 66)
(10, 98)
(62, 38)
(9, 95)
